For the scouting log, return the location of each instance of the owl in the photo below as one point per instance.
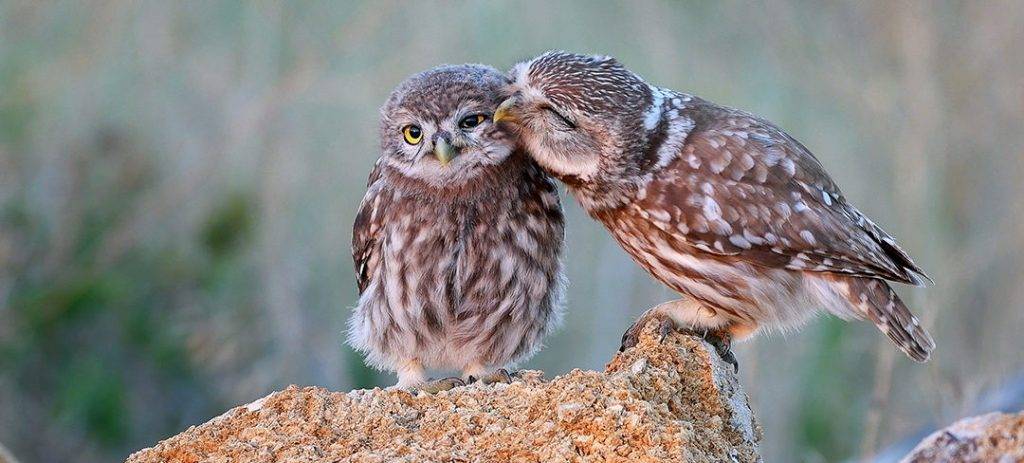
(457, 243)
(718, 204)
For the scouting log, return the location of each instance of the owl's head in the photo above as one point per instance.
(575, 114)
(437, 125)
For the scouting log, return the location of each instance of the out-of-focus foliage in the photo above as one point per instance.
(178, 182)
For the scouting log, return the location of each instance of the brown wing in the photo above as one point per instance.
(367, 227)
(743, 187)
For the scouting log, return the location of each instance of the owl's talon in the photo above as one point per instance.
(632, 335)
(666, 328)
(630, 338)
(627, 341)
(723, 346)
(731, 359)
(443, 384)
(718, 339)
(500, 375)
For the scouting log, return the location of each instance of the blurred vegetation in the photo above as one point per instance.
(178, 182)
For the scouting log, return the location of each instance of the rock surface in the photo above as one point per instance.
(659, 401)
(995, 437)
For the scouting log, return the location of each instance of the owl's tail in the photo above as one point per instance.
(876, 301)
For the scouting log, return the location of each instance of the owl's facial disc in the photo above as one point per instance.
(574, 113)
(453, 140)
(450, 148)
(559, 138)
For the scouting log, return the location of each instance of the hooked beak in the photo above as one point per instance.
(444, 151)
(507, 111)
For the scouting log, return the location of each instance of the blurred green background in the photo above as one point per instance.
(178, 182)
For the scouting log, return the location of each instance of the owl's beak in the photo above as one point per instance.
(506, 111)
(444, 151)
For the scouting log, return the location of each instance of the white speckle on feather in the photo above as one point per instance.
(788, 165)
(739, 241)
(808, 237)
(712, 211)
(660, 215)
(752, 238)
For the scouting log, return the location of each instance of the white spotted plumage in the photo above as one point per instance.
(458, 265)
(718, 204)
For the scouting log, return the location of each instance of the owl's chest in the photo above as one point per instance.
(446, 246)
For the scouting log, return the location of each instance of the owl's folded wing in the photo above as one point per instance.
(367, 228)
(742, 187)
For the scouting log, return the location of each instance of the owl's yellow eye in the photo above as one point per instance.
(413, 134)
(474, 120)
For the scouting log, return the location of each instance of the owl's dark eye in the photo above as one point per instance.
(564, 120)
(413, 135)
(474, 120)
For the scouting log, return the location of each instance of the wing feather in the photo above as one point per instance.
(367, 228)
(742, 187)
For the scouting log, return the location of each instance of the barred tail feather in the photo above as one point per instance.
(876, 301)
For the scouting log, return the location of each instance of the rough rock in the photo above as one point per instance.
(674, 400)
(995, 437)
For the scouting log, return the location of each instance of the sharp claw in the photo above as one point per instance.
(730, 358)
(628, 342)
(719, 339)
(629, 339)
(500, 375)
(666, 328)
(503, 376)
(444, 384)
(723, 347)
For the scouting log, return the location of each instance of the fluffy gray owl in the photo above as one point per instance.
(457, 242)
(720, 205)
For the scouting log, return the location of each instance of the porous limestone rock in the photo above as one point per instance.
(674, 400)
(995, 437)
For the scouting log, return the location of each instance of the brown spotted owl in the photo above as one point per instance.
(718, 204)
(457, 243)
